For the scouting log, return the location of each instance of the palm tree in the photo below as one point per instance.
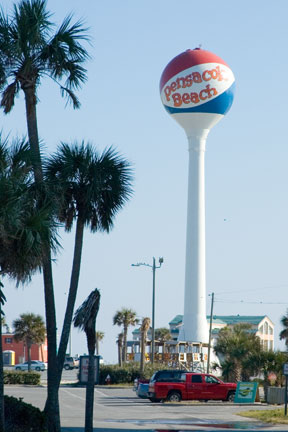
(284, 333)
(30, 329)
(92, 189)
(236, 345)
(85, 319)
(120, 349)
(24, 226)
(99, 337)
(29, 51)
(125, 318)
(144, 330)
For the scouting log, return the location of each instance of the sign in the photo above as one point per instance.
(197, 81)
(246, 392)
(83, 369)
(285, 368)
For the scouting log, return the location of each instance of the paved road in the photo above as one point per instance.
(117, 408)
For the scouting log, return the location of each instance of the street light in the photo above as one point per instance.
(154, 267)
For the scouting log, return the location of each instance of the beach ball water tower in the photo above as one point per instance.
(197, 89)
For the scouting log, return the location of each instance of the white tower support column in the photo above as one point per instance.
(195, 328)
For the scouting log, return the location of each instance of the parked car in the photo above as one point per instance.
(35, 365)
(174, 386)
(71, 363)
(141, 387)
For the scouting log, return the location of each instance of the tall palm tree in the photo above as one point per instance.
(236, 345)
(125, 318)
(144, 330)
(85, 319)
(31, 50)
(99, 337)
(92, 189)
(24, 226)
(284, 333)
(30, 329)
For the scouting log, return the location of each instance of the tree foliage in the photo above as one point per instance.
(284, 333)
(236, 347)
(126, 318)
(30, 329)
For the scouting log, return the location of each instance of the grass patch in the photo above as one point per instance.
(267, 416)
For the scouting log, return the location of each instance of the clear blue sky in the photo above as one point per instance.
(246, 161)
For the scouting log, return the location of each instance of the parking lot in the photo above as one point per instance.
(120, 408)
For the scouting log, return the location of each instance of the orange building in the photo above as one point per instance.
(38, 351)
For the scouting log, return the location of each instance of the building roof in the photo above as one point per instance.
(239, 319)
(226, 319)
(177, 320)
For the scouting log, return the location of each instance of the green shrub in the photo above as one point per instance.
(23, 417)
(128, 372)
(17, 377)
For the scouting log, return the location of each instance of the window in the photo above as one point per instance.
(196, 379)
(8, 340)
(211, 380)
(169, 376)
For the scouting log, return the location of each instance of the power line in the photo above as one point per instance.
(250, 302)
(284, 285)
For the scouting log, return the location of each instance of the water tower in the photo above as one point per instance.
(197, 90)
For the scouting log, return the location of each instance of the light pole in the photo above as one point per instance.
(154, 267)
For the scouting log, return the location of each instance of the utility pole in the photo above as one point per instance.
(210, 333)
(154, 267)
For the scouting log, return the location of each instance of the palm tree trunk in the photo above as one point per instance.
(124, 354)
(120, 355)
(2, 412)
(91, 381)
(142, 362)
(28, 345)
(52, 403)
(31, 118)
(71, 296)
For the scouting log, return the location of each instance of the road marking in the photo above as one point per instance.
(80, 397)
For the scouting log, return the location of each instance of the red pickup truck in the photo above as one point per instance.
(189, 386)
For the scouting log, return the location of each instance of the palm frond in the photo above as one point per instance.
(85, 315)
(8, 96)
(71, 97)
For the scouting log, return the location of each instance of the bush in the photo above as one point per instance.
(23, 417)
(15, 377)
(128, 372)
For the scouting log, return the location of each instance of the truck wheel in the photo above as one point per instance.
(230, 397)
(174, 397)
(66, 367)
(154, 400)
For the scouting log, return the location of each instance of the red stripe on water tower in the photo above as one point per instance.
(186, 60)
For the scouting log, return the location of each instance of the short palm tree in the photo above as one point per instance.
(144, 330)
(92, 188)
(236, 345)
(125, 318)
(30, 329)
(85, 319)
(284, 333)
(99, 337)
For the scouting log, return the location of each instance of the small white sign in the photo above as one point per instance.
(84, 362)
